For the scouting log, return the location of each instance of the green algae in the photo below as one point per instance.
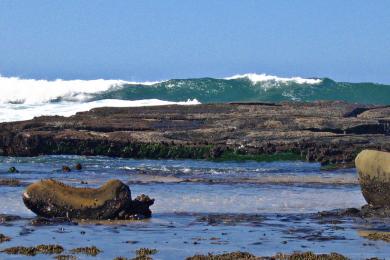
(169, 150)
(242, 157)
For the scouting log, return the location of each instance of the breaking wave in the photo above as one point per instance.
(25, 98)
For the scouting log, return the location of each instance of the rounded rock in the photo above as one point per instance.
(53, 199)
(374, 176)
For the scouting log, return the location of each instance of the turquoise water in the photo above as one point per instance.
(23, 99)
(201, 207)
(211, 90)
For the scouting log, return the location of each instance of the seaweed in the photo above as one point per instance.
(32, 251)
(93, 250)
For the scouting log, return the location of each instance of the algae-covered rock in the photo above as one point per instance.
(66, 168)
(12, 170)
(374, 176)
(248, 256)
(78, 166)
(53, 199)
(93, 250)
(4, 238)
(49, 198)
(32, 251)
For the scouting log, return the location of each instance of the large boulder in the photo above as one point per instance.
(53, 199)
(374, 176)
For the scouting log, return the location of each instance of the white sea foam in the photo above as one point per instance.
(22, 99)
(259, 78)
(16, 112)
(33, 91)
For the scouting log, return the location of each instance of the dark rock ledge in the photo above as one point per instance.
(332, 133)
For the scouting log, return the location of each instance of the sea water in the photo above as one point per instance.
(23, 99)
(200, 207)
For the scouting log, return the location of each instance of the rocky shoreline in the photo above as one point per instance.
(331, 133)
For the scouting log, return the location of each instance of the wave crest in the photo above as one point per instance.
(20, 96)
(17, 112)
(259, 78)
(37, 91)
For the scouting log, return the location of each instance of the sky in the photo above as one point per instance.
(347, 40)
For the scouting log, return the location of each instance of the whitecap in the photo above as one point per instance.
(17, 112)
(261, 78)
(38, 91)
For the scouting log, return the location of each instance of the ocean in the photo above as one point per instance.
(23, 99)
(201, 206)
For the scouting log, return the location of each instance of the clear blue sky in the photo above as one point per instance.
(347, 40)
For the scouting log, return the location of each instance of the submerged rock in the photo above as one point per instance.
(92, 251)
(12, 170)
(53, 199)
(375, 235)
(4, 238)
(66, 169)
(10, 182)
(40, 221)
(65, 257)
(78, 167)
(369, 211)
(374, 176)
(248, 256)
(5, 218)
(32, 251)
(144, 253)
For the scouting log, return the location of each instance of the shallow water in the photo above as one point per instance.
(200, 207)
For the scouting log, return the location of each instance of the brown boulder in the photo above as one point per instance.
(53, 199)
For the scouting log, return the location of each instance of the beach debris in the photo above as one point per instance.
(78, 166)
(66, 169)
(53, 199)
(92, 251)
(12, 170)
(32, 251)
(374, 177)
